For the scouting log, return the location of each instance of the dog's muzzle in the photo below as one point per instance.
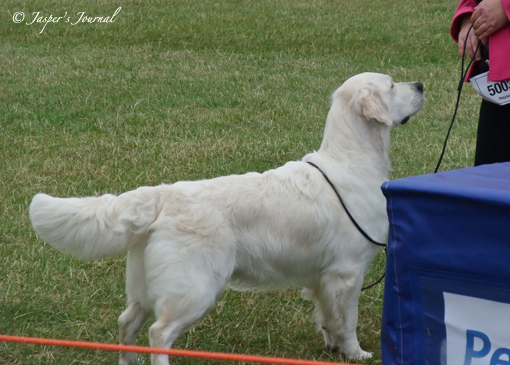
(418, 86)
(405, 120)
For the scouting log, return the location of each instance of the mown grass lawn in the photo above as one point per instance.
(190, 89)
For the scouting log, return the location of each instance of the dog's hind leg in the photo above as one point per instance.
(136, 314)
(186, 273)
(130, 323)
(173, 317)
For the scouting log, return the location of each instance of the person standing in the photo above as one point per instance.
(491, 26)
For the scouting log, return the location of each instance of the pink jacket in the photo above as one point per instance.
(499, 42)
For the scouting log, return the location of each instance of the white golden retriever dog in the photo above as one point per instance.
(187, 241)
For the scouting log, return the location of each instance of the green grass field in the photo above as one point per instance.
(189, 89)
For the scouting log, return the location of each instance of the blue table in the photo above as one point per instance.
(447, 289)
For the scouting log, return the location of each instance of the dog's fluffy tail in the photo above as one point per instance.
(95, 227)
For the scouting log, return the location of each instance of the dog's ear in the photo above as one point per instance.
(371, 105)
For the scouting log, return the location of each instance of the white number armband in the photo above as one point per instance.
(496, 92)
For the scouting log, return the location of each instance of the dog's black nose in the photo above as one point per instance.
(419, 86)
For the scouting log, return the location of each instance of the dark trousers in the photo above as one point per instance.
(493, 138)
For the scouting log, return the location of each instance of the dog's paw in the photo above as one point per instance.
(333, 348)
(364, 355)
(358, 355)
(128, 358)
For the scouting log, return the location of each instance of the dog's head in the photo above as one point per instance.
(376, 97)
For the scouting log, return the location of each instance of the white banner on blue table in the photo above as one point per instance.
(477, 331)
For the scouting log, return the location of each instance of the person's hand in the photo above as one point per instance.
(488, 18)
(472, 39)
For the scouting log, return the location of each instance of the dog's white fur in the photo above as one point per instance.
(285, 227)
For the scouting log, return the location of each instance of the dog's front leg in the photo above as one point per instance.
(347, 339)
(337, 301)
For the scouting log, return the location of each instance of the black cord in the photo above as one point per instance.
(374, 284)
(354, 222)
(345, 208)
(459, 88)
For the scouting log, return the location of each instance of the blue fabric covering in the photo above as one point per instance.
(449, 232)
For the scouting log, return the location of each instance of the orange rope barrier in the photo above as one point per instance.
(171, 352)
